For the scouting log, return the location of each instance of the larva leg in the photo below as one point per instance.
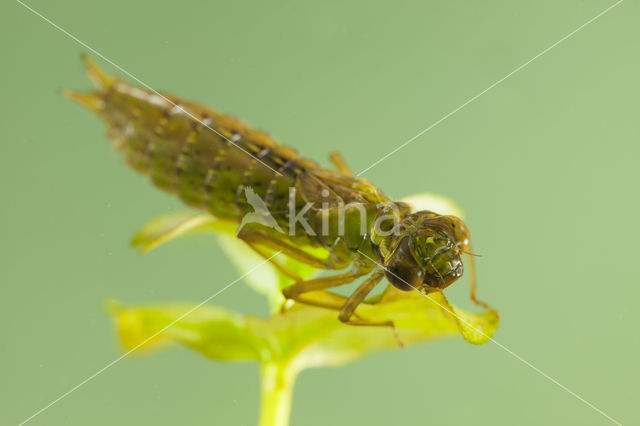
(299, 288)
(340, 164)
(310, 292)
(269, 256)
(472, 279)
(355, 184)
(357, 297)
(321, 299)
(258, 237)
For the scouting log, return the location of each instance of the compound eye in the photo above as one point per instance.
(402, 271)
(460, 233)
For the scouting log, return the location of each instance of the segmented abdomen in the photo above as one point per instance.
(204, 157)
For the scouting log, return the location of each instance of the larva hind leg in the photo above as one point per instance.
(265, 254)
(357, 297)
(255, 236)
(308, 292)
(320, 299)
(315, 284)
(311, 292)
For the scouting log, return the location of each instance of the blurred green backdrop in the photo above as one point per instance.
(545, 165)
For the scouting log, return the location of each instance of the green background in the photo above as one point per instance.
(545, 165)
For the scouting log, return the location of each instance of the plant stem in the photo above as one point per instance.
(276, 388)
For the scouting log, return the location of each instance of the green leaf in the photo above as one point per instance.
(323, 340)
(265, 279)
(213, 331)
(303, 336)
(434, 202)
(475, 328)
(173, 225)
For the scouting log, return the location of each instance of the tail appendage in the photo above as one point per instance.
(103, 81)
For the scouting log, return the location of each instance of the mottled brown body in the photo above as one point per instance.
(184, 156)
(208, 159)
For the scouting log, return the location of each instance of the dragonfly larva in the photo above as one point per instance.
(210, 160)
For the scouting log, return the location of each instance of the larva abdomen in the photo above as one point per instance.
(205, 157)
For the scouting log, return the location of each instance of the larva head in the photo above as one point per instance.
(425, 252)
